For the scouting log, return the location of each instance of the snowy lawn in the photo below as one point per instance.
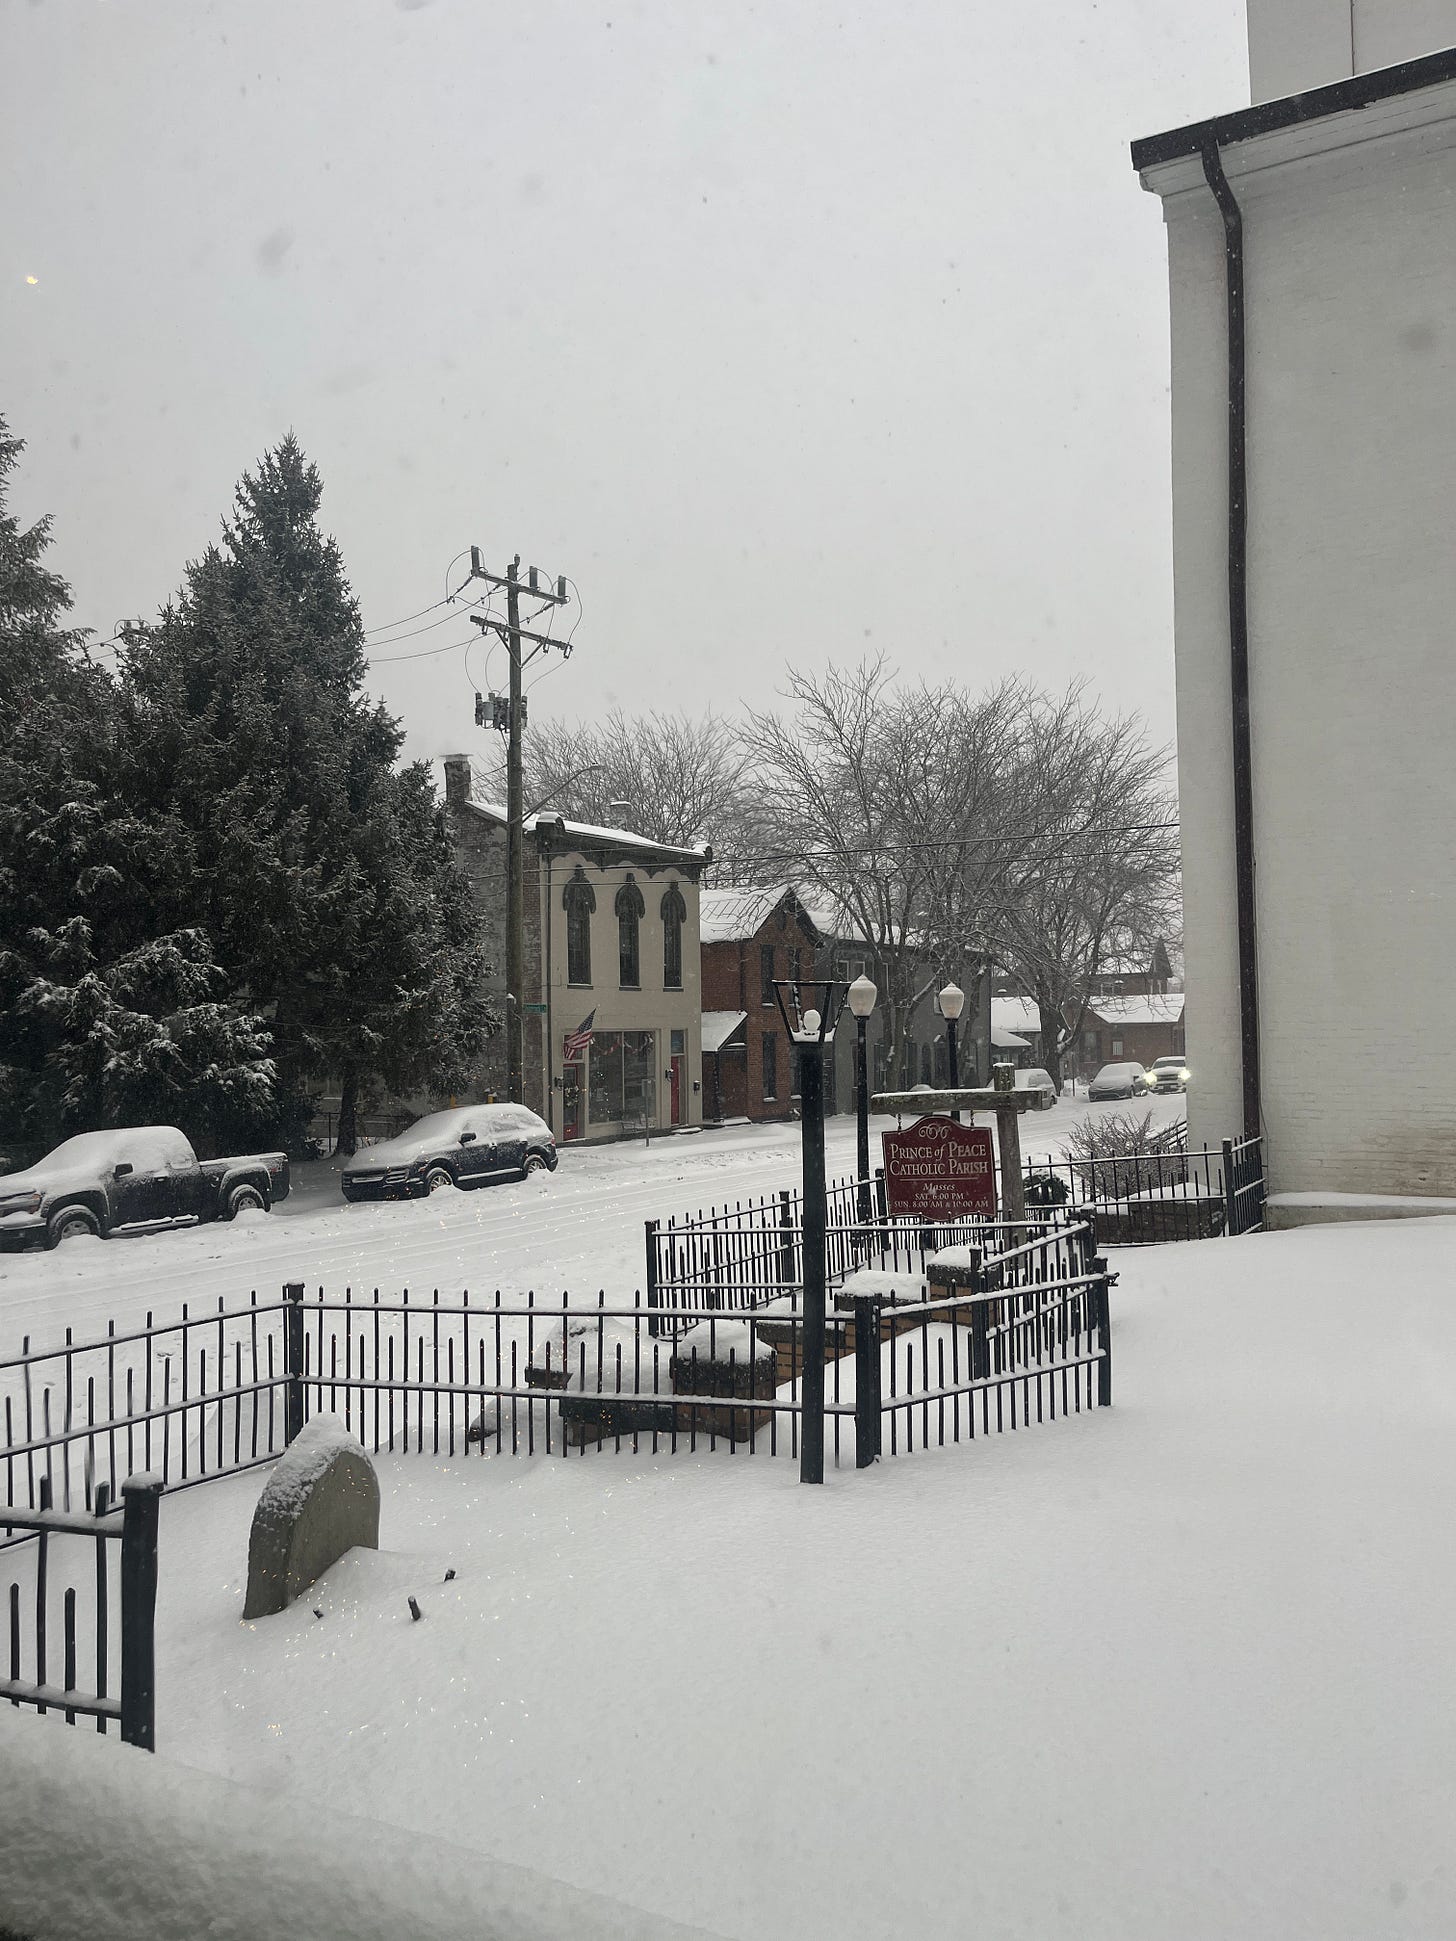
(1178, 1668)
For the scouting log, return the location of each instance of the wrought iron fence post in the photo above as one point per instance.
(142, 1496)
(1102, 1314)
(866, 1380)
(1230, 1196)
(654, 1326)
(980, 1336)
(786, 1242)
(293, 1359)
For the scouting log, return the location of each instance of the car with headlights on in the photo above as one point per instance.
(470, 1145)
(1125, 1079)
(1168, 1075)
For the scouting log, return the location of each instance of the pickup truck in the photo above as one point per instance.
(134, 1180)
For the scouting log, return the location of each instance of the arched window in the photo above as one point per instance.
(629, 907)
(580, 900)
(674, 916)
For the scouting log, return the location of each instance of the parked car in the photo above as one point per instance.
(1034, 1079)
(1169, 1074)
(1124, 1080)
(465, 1147)
(135, 1180)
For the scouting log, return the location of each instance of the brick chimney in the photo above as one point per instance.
(458, 780)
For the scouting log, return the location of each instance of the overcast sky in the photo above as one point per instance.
(789, 331)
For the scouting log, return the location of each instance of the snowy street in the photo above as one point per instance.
(578, 1230)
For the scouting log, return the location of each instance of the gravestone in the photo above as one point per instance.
(320, 1501)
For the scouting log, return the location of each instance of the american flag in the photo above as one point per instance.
(576, 1042)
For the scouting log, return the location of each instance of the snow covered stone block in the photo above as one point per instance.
(953, 1271)
(728, 1359)
(321, 1501)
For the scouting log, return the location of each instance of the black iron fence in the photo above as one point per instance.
(184, 1399)
(1141, 1199)
(124, 1694)
(744, 1256)
(741, 1255)
(1003, 1351)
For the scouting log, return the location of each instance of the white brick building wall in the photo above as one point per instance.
(1350, 231)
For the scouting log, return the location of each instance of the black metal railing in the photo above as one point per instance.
(982, 1361)
(128, 1695)
(743, 1257)
(740, 1256)
(185, 1399)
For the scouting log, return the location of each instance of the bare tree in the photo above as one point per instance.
(845, 788)
(1096, 870)
(678, 775)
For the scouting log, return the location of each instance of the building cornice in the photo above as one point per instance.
(1394, 100)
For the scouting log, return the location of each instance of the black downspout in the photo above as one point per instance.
(1238, 598)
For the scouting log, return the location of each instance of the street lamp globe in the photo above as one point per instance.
(952, 1001)
(862, 995)
(812, 1022)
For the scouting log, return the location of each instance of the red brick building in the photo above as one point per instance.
(751, 939)
(1144, 1028)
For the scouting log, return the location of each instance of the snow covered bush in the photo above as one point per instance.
(1121, 1154)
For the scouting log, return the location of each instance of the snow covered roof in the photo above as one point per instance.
(566, 832)
(729, 915)
(1153, 1009)
(719, 1027)
(1018, 1015)
(1008, 1040)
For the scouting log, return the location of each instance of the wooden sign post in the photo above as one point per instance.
(1001, 1098)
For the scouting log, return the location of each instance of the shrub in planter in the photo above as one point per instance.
(1044, 1190)
(1120, 1155)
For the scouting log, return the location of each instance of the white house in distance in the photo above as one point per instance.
(1312, 271)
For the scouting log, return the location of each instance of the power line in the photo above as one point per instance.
(420, 653)
(430, 625)
(388, 626)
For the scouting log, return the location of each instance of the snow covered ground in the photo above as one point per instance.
(1178, 1668)
(578, 1230)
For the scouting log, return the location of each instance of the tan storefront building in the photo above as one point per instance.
(613, 1034)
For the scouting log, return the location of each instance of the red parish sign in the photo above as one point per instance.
(940, 1170)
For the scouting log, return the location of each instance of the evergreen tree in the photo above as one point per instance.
(110, 1010)
(322, 874)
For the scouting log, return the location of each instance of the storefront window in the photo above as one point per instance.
(623, 1068)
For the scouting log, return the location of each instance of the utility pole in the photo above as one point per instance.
(512, 634)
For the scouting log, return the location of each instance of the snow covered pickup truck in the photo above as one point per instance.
(132, 1181)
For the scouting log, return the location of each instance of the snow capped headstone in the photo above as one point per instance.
(321, 1501)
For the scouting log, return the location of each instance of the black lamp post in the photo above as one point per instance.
(862, 995)
(808, 1029)
(952, 1000)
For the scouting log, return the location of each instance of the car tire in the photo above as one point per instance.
(242, 1198)
(436, 1177)
(70, 1223)
(535, 1163)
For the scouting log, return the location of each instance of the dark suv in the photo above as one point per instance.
(468, 1146)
